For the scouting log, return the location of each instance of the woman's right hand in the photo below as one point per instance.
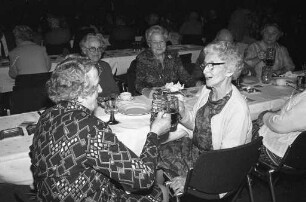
(262, 55)
(162, 123)
(182, 109)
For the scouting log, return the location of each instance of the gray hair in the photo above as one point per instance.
(69, 80)
(23, 32)
(229, 53)
(156, 29)
(99, 37)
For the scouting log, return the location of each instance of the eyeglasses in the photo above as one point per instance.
(158, 43)
(94, 49)
(211, 65)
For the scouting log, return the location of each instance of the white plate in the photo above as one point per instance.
(135, 109)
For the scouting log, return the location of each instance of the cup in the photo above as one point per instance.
(125, 96)
(270, 57)
(172, 107)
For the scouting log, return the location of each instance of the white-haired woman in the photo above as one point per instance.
(219, 119)
(157, 66)
(93, 46)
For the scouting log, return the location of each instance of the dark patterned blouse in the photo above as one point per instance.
(150, 73)
(76, 157)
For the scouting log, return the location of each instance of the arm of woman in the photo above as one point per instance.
(141, 75)
(112, 158)
(252, 58)
(13, 68)
(184, 76)
(112, 87)
(287, 120)
(238, 129)
(287, 61)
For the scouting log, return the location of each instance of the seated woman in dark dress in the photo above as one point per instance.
(93, 46)
(76, 157)
(157, 66)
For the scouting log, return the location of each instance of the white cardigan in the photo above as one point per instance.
(231, 127)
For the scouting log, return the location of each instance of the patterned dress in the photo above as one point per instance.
(76, 157)
(150, 72)
(177, 157)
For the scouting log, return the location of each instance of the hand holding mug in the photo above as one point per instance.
(161, 124)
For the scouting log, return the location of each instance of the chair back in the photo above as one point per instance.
(224, 170)
(295, 156)
(131, 77)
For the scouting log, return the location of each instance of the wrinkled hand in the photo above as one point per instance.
(262, 55)
(178, 184)
(162, 123)
(182, 109)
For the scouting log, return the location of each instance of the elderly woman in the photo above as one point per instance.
(27, 57)
(76, 157)
(157, 66)
(280, 128)
(256, 52)
(93, 46)
(219, 119)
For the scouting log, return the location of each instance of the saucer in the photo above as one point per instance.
(119, 99)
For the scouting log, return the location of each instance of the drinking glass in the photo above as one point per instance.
(111, 108)
(172, 107)
(270, 57)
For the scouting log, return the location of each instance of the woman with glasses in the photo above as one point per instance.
(219, 119)
(157, 66)
(93, 46)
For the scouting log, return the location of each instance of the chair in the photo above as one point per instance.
(29, 93)
(223, 171)
(293, 163)
(131, 77)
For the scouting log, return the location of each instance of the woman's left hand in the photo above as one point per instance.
(178, 184)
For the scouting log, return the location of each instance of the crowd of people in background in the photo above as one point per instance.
(56, 23)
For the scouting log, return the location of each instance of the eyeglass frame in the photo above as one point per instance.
(94, 49)
(212, 64)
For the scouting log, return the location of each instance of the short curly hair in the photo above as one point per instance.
(229, 53)
(23, 32)
(69, 80)
(156, 29)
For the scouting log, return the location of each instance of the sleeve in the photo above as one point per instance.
(140, 81)
(287, 120)
(47, 58)
(107, 155)
(288, 63)
(239, 127)
(251, 58)
(184, 76)
(113, 87)
(13, 68)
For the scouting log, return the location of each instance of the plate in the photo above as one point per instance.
(135, 109)
(119, 99)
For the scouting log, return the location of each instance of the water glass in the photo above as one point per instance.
(270, 57)
(172, 107)
(111, 108)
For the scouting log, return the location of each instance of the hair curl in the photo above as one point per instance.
(229, 53)
(69, 80)
(23, 32)
(156, 29)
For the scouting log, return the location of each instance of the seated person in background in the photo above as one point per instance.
(222, 35)
(122, 35)
(76, 157)
(57, 38)
(191, 30)
(157, 66)
(255, 53)
(93, 46)
(280, 128)
(27, 57)
(220, 118)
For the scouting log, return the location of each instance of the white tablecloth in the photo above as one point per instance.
(119, 61)
(132, 131)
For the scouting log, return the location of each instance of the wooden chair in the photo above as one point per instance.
(223, 171)
(293, 163)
